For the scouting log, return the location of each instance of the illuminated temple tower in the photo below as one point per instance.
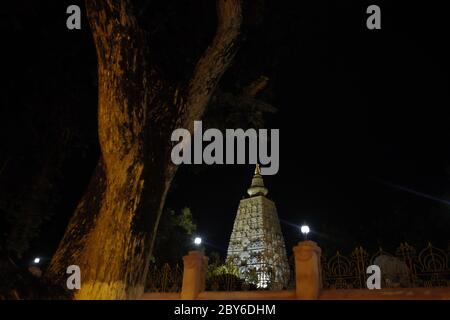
(256, 245)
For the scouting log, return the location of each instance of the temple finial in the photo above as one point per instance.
(257, 169)
(257, 187)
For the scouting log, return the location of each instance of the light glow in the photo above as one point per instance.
(304, 229)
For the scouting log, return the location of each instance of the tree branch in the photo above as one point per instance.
(213, 63)
(250, 91)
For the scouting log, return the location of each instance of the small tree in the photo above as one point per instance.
(174, 236)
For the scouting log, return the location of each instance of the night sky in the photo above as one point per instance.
(364, 131)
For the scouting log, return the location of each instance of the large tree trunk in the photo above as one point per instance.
(112, 232)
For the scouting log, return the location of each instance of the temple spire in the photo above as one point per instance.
(257, 187)
(256, 242)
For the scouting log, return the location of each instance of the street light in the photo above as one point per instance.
(197, 241)
(305, 230)
(37, 260)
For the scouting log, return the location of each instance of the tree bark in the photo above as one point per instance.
(112, 232)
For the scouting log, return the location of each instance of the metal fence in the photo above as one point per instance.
(228, 282)
(169, 278)
(428, 267)
(165, 278)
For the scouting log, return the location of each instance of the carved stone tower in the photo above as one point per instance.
(256, 245)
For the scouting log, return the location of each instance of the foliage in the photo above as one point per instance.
(174, 236)
(231, 110)
(224, 276)
(184, 220)
(222, 269)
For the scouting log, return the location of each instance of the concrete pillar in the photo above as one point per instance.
(308, 272)
(194, 275)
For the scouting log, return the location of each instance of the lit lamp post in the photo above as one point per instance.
(198, 244)
(197, 241)
(305, 230)
(34, 268)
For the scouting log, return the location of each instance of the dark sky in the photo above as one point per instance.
(362, 116)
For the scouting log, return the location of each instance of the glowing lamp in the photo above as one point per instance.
(197, 241)
(304, 229)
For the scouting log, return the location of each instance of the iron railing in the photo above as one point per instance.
(428, 267)
(165, 278)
